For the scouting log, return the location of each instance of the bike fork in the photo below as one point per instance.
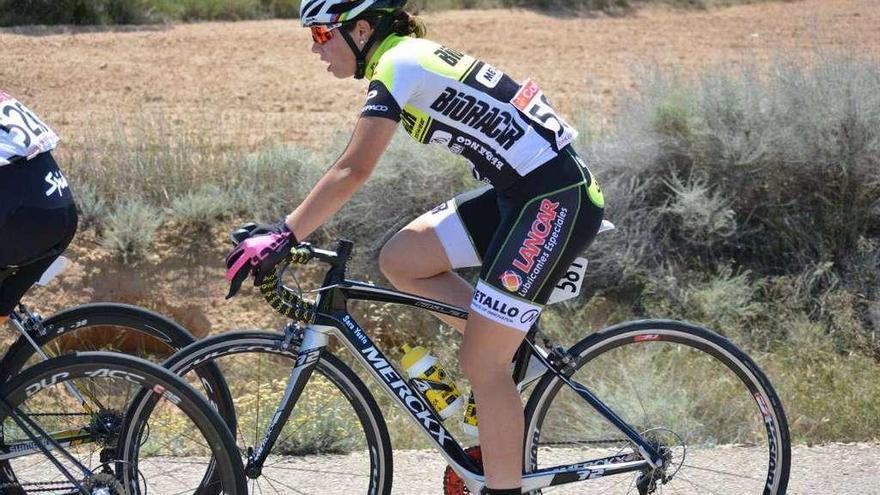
(314, 340)
(19, 323)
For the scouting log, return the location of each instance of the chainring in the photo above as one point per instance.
(452, 482)
(104, 483)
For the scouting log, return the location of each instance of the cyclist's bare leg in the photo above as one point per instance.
(3, 320)
(414, 261)
(485, 355)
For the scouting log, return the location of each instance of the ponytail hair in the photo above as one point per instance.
(403, 23)
(406, 24)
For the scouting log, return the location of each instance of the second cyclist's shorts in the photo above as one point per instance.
(524, 237)
(37, 216)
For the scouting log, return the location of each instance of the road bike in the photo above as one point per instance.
(67, 426)
(641, 407)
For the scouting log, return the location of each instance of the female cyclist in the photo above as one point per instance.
(37, 215)
(540, 208)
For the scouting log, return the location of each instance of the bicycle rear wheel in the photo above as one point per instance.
(689, 390)
(99, 327)
(335, 440)
(168, 447)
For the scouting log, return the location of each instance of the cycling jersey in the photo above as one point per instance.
(503, 128)
(22, 134)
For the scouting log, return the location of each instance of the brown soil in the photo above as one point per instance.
(259, 81)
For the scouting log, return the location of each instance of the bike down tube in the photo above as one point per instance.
(378, 365)
(648, 451)
(25, 423)
(315, 339)
(63, 439)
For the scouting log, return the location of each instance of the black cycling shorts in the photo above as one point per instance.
(37, 216)
(524, 237)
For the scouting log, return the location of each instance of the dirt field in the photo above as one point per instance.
(259, 82)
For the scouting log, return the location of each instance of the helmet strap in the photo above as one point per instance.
(360, 53)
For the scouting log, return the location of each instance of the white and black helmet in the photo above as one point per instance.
(327, 12)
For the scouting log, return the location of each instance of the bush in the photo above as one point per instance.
(15, 12)
(131, 230)
(92, 208)
(270, 183)
(775, 171)
(409, 180)
(199, 210)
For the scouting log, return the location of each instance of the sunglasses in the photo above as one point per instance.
(322, 34)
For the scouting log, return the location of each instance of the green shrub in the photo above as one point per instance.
(789, 158)
(199, 210)
(16, 12)
(410, 180)
(131, 230)
(270, 183)
(92, 208)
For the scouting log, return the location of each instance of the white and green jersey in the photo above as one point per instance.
(503, 128)
(22, 134)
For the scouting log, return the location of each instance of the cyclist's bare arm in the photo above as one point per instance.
(369, 140)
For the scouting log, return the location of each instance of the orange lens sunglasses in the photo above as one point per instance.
(321, 35)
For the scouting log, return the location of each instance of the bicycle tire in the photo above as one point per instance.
(652, 342)
(89, 316)
(168, 390)
(353, 391)
(122, 318)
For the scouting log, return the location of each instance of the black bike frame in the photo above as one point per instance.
(332, 315)
(40, 441)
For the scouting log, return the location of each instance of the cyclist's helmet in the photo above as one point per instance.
(330, 12)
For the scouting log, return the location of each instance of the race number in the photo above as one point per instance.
(570, 285)
(531, 101)
(26, 135)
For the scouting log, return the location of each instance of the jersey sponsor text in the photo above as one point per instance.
(499, 125)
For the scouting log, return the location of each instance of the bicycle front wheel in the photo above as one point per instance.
(703, 402)
(335, 440)
(82, 402)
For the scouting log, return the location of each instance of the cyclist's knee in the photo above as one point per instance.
(412, 254)
(390, 258)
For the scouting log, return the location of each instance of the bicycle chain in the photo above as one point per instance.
(56, 486)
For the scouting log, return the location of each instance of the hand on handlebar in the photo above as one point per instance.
(258, 249)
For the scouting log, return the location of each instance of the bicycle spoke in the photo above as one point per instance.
(286, 485)
(271, 485)
(320, 471)
(702, 488)
(725, 473)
